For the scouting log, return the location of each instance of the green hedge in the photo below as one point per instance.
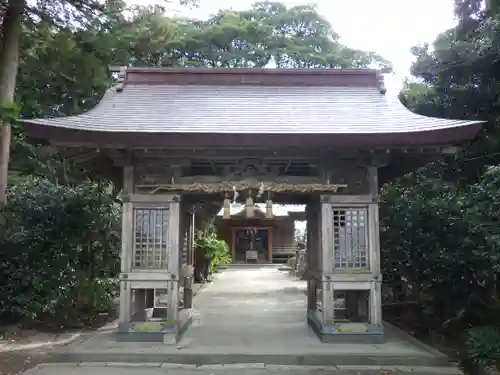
(60, 253)
(441, 245)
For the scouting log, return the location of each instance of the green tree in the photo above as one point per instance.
(440, 238)
(461, 74)
(82, 24)
(15, 13)
(267, 32)
(9, 60)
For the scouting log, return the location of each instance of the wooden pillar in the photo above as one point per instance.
(270, 245)
(314, 253)
(326, 250)
(310, 254)
(188, 279)
(127, 247)
(173, 266)
(375, 304)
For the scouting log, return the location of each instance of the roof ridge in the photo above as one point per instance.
(123, 70)
(247, 76)
(259, 70)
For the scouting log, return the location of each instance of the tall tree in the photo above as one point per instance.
(460, 78)
(440, 224)
(267, 33)
(82, 19)
(14, 14)
(9, 61)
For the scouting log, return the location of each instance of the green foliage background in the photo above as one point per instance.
(440, 236)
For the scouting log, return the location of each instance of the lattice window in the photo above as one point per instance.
(151, 238)
(350, 238)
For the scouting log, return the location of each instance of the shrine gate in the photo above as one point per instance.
(181, 142)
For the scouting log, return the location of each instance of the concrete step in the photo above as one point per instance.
(278, 266)
(249, 265)
(230, 369)
(289, 359)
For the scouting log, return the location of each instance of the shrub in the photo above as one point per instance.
(60, 249)
(482, 349)
(213, 247)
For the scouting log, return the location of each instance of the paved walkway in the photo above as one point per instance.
(250, 317)
(249, 308)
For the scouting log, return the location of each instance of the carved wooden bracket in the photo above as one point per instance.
(250, 168)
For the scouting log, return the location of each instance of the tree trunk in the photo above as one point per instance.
(9, 65)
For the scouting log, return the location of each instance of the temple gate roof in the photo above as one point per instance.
(161, 107)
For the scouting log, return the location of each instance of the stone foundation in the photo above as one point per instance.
(364, 333)
(155, 331)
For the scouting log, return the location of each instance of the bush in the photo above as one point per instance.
(440, 239)
(213, 247)
(482, 349)
(60, 249)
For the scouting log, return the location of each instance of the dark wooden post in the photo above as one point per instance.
(188, 281)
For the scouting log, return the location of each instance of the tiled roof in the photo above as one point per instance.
(233, 109)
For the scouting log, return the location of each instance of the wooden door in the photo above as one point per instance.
(262, 241)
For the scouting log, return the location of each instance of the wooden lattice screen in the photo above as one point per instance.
(150, 238)
(350, 236)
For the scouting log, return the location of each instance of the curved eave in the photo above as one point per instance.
(84, 138)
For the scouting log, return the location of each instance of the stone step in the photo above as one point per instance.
(289, 359)
(111, 368)
(236, 266)
(249, 265)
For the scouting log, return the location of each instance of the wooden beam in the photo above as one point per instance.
(293, 153)
(229, 186)
(255, 180)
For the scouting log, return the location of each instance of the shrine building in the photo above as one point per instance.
(182, 142)
(264, 234)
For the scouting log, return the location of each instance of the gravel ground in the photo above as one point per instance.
(12, 363)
